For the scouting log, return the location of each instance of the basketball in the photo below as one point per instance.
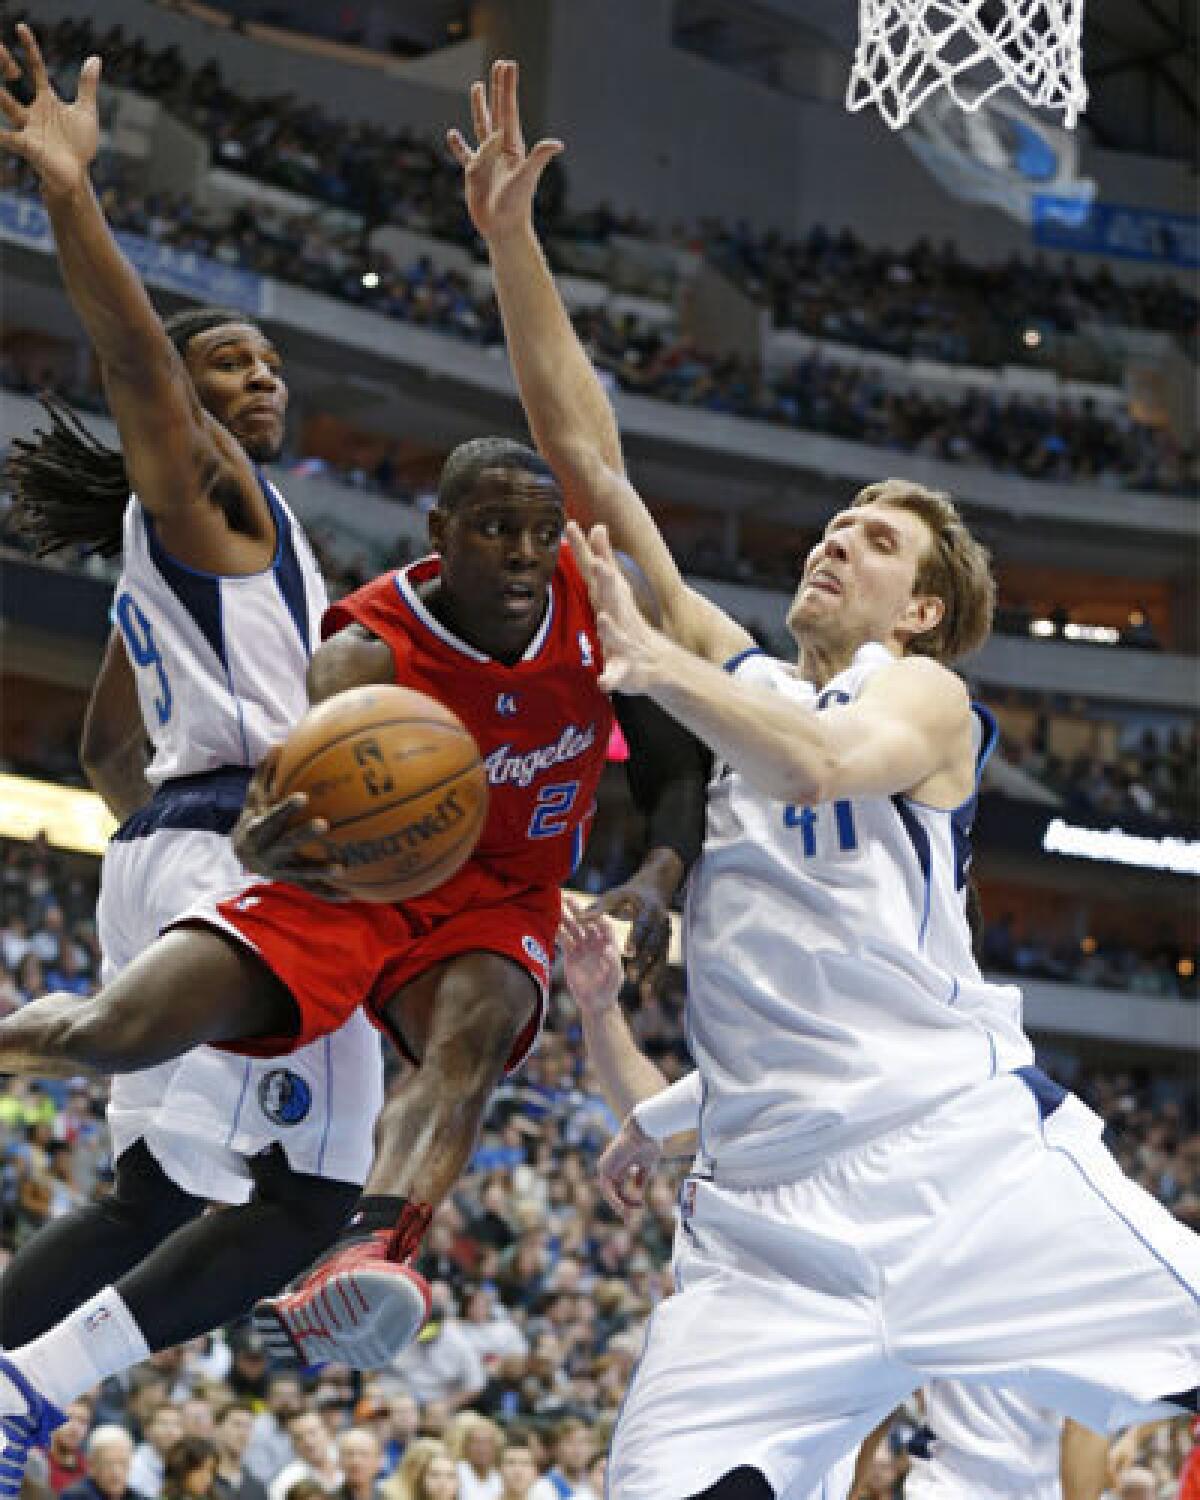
(400, 782)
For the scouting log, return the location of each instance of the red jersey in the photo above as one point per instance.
(541, 724)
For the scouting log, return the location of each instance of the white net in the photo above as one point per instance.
(908, 49)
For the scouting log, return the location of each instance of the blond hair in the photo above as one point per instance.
(408, 1481)
(461, 1427)
(954, 568)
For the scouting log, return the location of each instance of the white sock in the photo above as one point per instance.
(97, 1340)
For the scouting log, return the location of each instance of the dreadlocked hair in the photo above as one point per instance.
(69, 488)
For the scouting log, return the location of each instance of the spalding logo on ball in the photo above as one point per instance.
(400, 782)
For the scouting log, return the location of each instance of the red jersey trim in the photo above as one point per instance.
(416, 607)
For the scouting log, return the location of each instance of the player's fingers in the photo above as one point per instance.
(540, 158)
(457, 145)
(89, 83)
(269, 826)
(481, 118)
(37, 63)
(510, 115)
(10, 68)
(16, 114)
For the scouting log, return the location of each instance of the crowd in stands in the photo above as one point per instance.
(1153, 780)
(921, 301)
(540, 1294)
(926, 301)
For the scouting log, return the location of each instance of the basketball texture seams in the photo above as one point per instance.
(400, 782)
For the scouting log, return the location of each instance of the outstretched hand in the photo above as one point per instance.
(500, 175)
(591, 959)
(626, 1168)
(631, 646)
(57, 139)
(273, 839)
(645, 903)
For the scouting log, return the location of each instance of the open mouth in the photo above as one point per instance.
(518, 598)
(826, 583)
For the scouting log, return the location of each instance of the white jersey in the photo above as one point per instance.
(832, 993)
(977, 1437)
(220, 665)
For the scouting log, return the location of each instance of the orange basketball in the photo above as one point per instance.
(400, 782)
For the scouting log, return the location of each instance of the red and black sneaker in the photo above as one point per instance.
(356, 1307)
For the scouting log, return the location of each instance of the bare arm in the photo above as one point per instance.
(271, 834)
(112, 749)
(175, 453)
(569, 413)
(1084, 1462)
(911, 723)
(594, 974)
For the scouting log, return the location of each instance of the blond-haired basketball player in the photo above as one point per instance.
(889, 1191)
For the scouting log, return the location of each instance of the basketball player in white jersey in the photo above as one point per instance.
(975, 1443)
(216, 612)
(889, 1191)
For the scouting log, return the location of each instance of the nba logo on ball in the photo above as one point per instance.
(284, 1097)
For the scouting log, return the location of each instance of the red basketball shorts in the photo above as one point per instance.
(334, 957)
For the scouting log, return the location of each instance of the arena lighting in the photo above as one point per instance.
(1093, 635)
(1115, 846)
(1096, 635)
(1031, 338)
(70, 818)
(370, 279)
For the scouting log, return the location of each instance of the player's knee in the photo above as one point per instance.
(145, 1199)
(317, 1207)
(482, 1012)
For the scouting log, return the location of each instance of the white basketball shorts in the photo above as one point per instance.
(994, 1240)
(203, 1114)
(928, 1480)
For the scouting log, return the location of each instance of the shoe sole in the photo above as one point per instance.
(360, 1318)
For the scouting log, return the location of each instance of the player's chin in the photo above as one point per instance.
(263, 448)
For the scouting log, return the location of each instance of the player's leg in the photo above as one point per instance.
(462, 1019)
(193, 985)
(224, 1261)
(1051, 1272)
(73, 1257)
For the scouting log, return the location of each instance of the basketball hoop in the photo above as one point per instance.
(908, 49)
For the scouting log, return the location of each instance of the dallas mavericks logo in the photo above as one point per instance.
(1003, 156)
(284, 1097)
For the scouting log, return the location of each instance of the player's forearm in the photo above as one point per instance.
(778, 745)
(569, 413)
(673, 1111)
(626, 1076)
(1084, 1462)
(104, 289)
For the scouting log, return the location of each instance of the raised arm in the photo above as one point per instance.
(569, 413)
(175, 453)
(112, 749)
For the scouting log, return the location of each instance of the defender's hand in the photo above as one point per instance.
(271, 833)
(591, 960)
(632, 648)
(500, 176)
(57, 139)
(641, 902)
(626, 1167)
